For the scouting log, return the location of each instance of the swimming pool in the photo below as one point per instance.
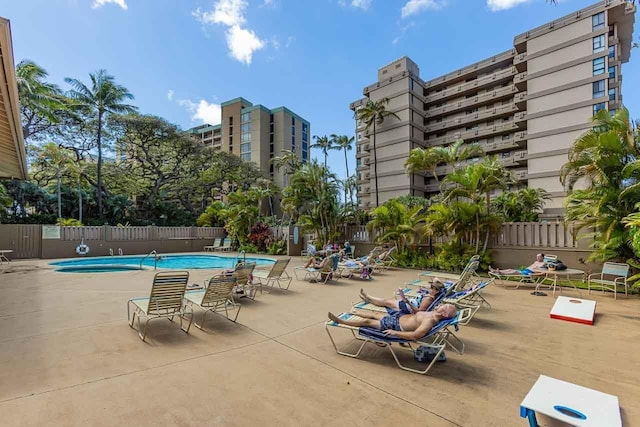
(185, 262)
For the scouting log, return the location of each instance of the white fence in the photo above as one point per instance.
(109, 233)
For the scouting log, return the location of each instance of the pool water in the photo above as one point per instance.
(96, 269)
(185, 262)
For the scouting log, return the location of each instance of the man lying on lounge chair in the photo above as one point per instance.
(532, 269)
(405, 326)
(405, 305)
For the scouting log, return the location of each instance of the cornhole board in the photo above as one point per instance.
(570, 403)
(574, 310)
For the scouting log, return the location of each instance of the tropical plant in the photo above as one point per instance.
(260, 236)
(240, 213)
(428, 159)
(395, 221)
(102, 98)
(312, 200)
(344, 143)
(57, 161)
(602, 184)
(373, 114)
(523, 205)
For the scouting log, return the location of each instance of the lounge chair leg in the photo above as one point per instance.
(143, 333)
(187, 311)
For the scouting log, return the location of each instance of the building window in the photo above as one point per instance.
(245, 117)
(598, 43)
(599, 106)
(293, 121)
(612, 52)
(612, 72)
(612, 94)
(612, 111)
(598, 66)
(598, 21)
(245, 127)
(230, 120)
(598, 89)
(245, 137)
(506, 137)
(245, 156)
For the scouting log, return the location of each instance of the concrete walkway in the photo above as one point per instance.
(68, 357)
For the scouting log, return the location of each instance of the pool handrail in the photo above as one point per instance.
(155, 259)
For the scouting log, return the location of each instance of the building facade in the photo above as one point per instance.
(258, 134)
(526, 105)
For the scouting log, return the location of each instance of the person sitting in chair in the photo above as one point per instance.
(532, 269)
(405, 305)
(405, 326)
(317, 264)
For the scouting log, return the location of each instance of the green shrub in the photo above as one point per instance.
(248, 248)
(277, 248)
(448, 257)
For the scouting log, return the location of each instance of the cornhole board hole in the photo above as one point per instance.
(570, 403)
(574, 310)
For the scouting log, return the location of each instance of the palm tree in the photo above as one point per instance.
(288, 160)
(53, 159)
(39, 101)
(345, 143)
(324, 144)
(374, 113)
(104, 97)
(603, 159)
(428, 159)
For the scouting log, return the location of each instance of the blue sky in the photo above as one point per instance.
(182, 58)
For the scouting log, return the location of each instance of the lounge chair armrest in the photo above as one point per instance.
(620, 279)
(593, 275)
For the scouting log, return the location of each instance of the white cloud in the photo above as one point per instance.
(413, 7)
(169, 94)
(268, 3)
(496, 5)
(203, 111)
(289, 41)
(100, 3)
(242, 42)
(358, 4)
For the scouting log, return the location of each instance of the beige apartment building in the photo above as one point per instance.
(526, 105)
(258, 134)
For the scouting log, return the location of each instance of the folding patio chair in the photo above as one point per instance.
(243, 274)
(216, 243)
(165, 300)
(218, 295)
(226, 246)
(277, 274)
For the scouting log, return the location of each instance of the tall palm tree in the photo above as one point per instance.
(345, 143)
(324, 144)
(102, 98)
(374, 113)
(39, 100)
(288, 160)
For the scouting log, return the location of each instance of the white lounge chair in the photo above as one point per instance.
(216, 243)
(217, 296)
(226, 246)
(165, 300)
(277, 274)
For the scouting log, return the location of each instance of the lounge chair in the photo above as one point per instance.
(165, 300)
(519, 277)
(277, 274)
(351, 267)
(409, 292)
(616, 275)
(243, 274)
(226, 246)
(217, 295)
(329, 270)
(212, 248)
(471, 298)
(460, 280)
(439, 337)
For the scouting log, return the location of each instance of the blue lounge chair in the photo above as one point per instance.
(439, 337)
(409, 292)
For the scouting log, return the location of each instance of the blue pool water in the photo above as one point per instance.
(96, 269)
(185, 262)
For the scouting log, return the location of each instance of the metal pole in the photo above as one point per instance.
(80, 200)
(59, 197)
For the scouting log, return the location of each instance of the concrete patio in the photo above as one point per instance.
(68, 357)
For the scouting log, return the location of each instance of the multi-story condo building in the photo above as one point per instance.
(258, 134)
(527, 105)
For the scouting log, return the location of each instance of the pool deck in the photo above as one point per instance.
(69, 358)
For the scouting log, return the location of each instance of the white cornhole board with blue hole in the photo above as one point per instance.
(570, 403)
(574, 310)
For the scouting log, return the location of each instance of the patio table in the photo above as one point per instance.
(555, 275)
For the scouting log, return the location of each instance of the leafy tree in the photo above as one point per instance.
(103, 98)
(602, 184)
(240, 213)
(396, 222)
(523, 205)
(345, 143)
(54, 161)
(373, 114)
(5, 200)
(428, 159)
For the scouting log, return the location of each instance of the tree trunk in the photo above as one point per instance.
(79, 203)
(59, 198)
(477, 232)
(346, 187)
(100, 112)
(375, 162)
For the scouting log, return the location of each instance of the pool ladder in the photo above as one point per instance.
(155, 259)
(242, 255)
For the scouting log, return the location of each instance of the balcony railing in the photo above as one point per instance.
(473, 134)
(478, 116)
(472, 85)
(476, 100)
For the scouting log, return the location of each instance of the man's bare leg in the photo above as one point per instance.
(368, 314)
(380, 302)
(369, 323)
